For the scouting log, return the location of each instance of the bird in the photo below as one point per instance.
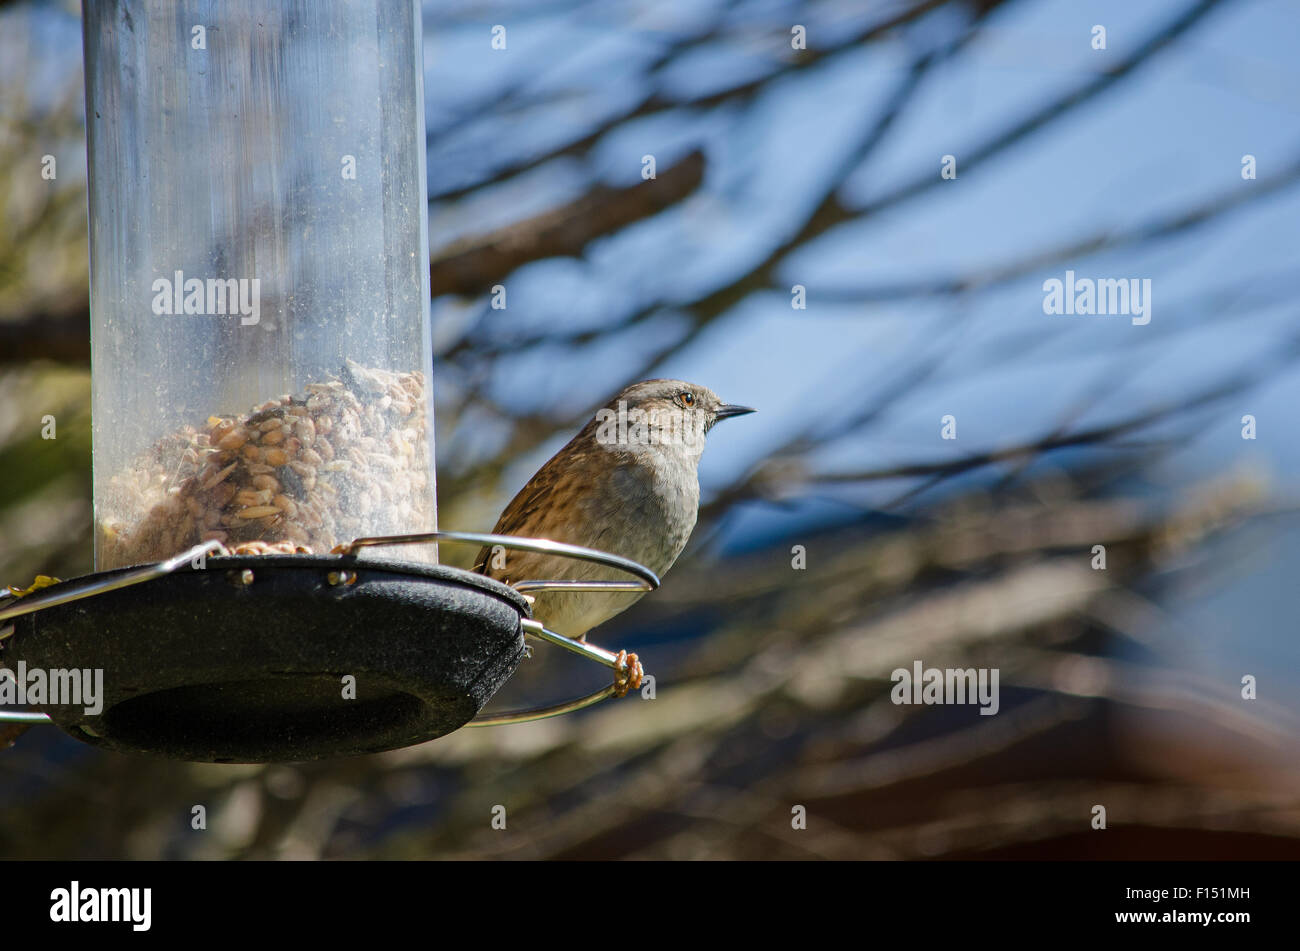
(626, 484)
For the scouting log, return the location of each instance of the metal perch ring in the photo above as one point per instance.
(628, 672)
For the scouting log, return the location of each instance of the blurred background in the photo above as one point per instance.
(841, 536)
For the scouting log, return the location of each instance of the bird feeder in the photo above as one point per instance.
(267, 584)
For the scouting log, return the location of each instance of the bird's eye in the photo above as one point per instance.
(686, 399)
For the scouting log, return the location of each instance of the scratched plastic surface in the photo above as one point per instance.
(258, 231)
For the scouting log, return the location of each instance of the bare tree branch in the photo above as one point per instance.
(476, 263)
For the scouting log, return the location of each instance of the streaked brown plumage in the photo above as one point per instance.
(618, 487)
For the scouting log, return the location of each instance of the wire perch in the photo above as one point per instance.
(628, 671)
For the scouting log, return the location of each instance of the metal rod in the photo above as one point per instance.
(525, 586)
(581, 648)
(541, 713)
(540, 545)
(22, 716)
(35, 602)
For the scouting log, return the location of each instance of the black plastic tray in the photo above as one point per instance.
(210, 666)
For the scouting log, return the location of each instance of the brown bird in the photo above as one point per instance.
(626, 484)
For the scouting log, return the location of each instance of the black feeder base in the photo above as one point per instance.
(248, 660)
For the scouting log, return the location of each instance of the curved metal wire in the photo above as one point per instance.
(598, 654)
(647, 580)
(36, 602)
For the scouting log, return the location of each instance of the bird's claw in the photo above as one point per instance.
(627, 673)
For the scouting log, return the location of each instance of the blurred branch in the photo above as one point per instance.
(1106, 239)
(1056, 109)
(704, 311)
(831, 212)
(475, 263)
(654, 104)
(782, 468)
(59, 332)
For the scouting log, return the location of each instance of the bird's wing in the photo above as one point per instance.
(536, 502)
(522, 510)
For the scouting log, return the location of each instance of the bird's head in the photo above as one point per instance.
(669, 413)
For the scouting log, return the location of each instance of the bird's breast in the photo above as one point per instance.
(654, 513)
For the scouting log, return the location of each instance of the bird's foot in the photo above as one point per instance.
(628, 673)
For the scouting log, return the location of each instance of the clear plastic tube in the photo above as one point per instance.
(259, 274)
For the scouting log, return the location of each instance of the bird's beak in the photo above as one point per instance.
(727, 410)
